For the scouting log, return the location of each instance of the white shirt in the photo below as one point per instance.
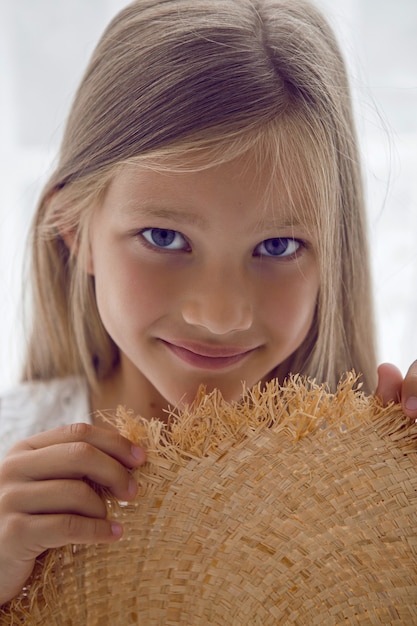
(31, 408)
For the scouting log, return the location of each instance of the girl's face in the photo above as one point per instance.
(200, 277)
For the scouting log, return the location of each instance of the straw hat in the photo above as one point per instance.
(295, 506)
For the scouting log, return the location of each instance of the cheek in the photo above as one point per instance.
(129, 293)
(292, 304)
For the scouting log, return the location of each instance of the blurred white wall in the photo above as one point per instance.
(44, 46)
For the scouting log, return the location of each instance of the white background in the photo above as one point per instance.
(44, 47)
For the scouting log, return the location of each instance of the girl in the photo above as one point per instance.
(205, 224)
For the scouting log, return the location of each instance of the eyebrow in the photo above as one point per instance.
(173, 214)
(180, 214)
(277, 223)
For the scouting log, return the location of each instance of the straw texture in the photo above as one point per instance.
(294, 506)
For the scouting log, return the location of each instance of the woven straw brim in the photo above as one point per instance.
(295, 506)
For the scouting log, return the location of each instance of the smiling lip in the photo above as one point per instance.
(208, 357)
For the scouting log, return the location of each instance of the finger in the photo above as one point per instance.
(389, 383)
(53, 496)
(60, 530)
(409, 391)
(108, 441)
(43, 532)
(75, 460)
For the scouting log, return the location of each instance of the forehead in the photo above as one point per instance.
(247, 182)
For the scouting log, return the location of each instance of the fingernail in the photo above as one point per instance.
(411, 403)
(132, 487)
(116, 529)
(139, 454)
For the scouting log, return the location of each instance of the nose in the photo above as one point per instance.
(218, 301)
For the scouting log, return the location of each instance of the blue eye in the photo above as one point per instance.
(164, 238)
(278, 247)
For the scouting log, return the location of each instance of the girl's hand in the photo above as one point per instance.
(45, 503)
(392, 387)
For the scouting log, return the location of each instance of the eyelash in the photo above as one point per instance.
(165, 233)
(280, 241)
(154, 246)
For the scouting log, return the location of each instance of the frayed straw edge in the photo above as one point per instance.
(297, 409)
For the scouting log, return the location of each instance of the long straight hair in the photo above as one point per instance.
(189, 78)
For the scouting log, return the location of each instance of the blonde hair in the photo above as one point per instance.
(186, 78)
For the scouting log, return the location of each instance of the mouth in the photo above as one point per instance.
(208, 357)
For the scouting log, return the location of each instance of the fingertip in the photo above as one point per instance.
(132, 488)
(411, 405)
(412, 370)
(139, 454)
(116, 530)
(389, 383)
(409, 391)
(389, 369)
